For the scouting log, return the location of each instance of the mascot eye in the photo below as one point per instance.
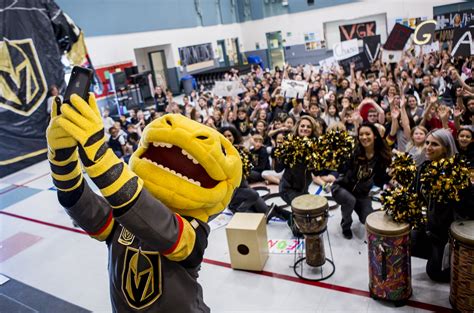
(223, 150)
(201, 137)
(169, 122)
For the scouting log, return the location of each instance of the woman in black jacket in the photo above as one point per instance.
(366, 168)
(296, 179)
(430, 242)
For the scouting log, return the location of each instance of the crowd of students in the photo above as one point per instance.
(388, 107)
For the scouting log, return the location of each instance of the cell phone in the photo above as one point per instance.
(79, 83)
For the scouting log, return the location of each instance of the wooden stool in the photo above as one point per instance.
(247, 240)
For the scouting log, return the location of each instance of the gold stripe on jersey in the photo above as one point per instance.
(184, 244)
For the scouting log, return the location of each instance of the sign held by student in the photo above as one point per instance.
(398, 37)
(345, 49)
(360, 60)
(424, 33)
(227, 88)
(462, 42)
(372, 47)
(293, 88)
(392, 56)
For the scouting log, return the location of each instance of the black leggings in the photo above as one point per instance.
(425, 247)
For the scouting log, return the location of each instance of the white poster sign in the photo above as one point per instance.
(327, 64)
(389, 56)
(345, 49)
(293, 88)
(228, 88)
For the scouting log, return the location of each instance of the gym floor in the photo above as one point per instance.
(48, 265)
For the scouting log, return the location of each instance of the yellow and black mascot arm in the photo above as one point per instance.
(154, 214)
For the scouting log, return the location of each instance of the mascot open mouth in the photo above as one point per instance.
(178, 162)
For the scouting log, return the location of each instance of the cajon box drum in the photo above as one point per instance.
(389, 258)
(462, 266)
(247, 241)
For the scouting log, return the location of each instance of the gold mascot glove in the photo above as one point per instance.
(62, 154)
(117, 183)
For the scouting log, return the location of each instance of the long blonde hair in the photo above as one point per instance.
(412, 144)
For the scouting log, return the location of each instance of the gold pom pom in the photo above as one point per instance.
(246, 164)
(403, 206)
(443, 180)
(403, 169)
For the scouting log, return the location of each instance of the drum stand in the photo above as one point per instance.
(311, 273)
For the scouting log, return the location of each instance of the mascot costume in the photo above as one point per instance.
(153, 215)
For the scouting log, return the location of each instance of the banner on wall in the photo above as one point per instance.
(411, 22)
(357, 31)
(31, 47)
(228, 88)
(462, 42)
(444, 35)
(345, 49)
(372, 46)
(293, 88)
(398, 37)
(196, 54)
(312, 41)
(460, 19)
(360, 60)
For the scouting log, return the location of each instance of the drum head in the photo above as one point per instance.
(380, 223)
(305, 203)
(463, 231)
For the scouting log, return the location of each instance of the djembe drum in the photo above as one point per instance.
(462, 266)
(310, 215)
(389, 258)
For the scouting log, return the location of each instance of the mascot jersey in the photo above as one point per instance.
(153, 215)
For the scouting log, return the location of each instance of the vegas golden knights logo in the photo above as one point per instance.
(22, 83)
(126, 237)
(141, 277)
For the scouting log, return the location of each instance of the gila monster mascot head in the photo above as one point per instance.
(189, 167)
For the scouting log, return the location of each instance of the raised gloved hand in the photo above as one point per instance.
(117, 183)
(62, 154)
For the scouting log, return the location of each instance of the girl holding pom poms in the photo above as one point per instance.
(294, 154)
(367, 167)
(443, 186)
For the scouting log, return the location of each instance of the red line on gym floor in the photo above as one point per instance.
(352, 291)
(15, 186)
(80, 231)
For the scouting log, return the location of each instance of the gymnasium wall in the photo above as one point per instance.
(120, 45)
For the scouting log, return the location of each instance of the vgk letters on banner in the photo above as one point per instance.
(357, 31)
(372, 47)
